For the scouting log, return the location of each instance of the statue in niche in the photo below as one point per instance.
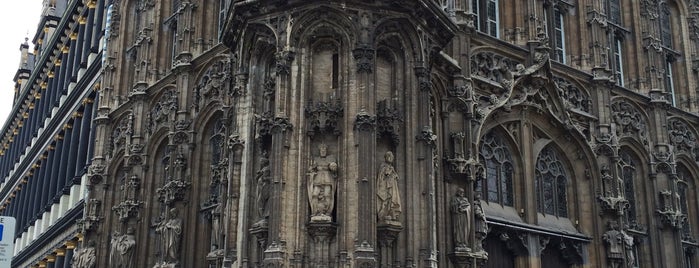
(263, 178)
(614, 239)
(85, 257)
(122, 251)
(388, 203)
(322, 176)
(461, 220)
(612, 186)
(629, 244)
(216, 234)
(481, 224)
(170, 236)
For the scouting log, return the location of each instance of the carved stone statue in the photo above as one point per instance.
(322, 176)
(629, 246)
(121, 254)
(461, 220)
(263, 177)
(481, 224)
(615, 244)
(388, 203)
(85, 257)
(612, 186)
(170, 236)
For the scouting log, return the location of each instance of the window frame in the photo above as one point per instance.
(489, 25)
(501, 182)
(560, 207)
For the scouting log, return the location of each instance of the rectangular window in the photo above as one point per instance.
(492, 19)
(618, 62)
(487, 16)
(222, 8)
(559, 35)
(614, 12)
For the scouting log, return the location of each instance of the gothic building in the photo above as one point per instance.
(357, 133)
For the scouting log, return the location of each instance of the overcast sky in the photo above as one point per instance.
(18, 19)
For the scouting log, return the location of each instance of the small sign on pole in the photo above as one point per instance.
(7, 241)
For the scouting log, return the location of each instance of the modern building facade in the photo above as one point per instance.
(367, 133)
(47, 140)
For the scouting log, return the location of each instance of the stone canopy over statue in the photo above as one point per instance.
(388, 205)
(322, 179)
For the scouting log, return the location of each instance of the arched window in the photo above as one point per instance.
(551, 180)
(628, 163)
(496, 157)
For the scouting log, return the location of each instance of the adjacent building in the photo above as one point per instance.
(47, 140)
(367, 133)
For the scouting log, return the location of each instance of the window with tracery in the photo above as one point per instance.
(496, 157)
(629, 173)
(551, 180)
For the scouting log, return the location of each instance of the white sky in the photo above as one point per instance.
(18, 19)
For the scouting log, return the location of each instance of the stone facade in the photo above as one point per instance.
(415, 133)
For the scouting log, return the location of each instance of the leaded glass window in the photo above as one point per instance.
(628, 175)
(496, 157)
(551, 180)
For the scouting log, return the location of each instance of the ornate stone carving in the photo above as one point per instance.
(614, 240)
(263, 179)
(682, 138)
(240, 86)
(121, 132)
(364, 121)
(92, 215)
(364, 57)
(85, 257)
(427, 136)
(322, 180)
(387, 120)
(283, 62)
(388, 206)
(458, 161)
(169, 232)
(612, 198)
(480, 225)
(127, 209)
(268, 125)
(573, 96)
(215, 81)
(324, 117)
(669, 215)
(122, 249)
(629, 121)
(492, 67)
(650, 9)
(174, 190)
(160, 111)
(461, 221)
(424, 81)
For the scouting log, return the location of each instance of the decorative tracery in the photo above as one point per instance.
(496, 157)
(551, 181)
(628, 163)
